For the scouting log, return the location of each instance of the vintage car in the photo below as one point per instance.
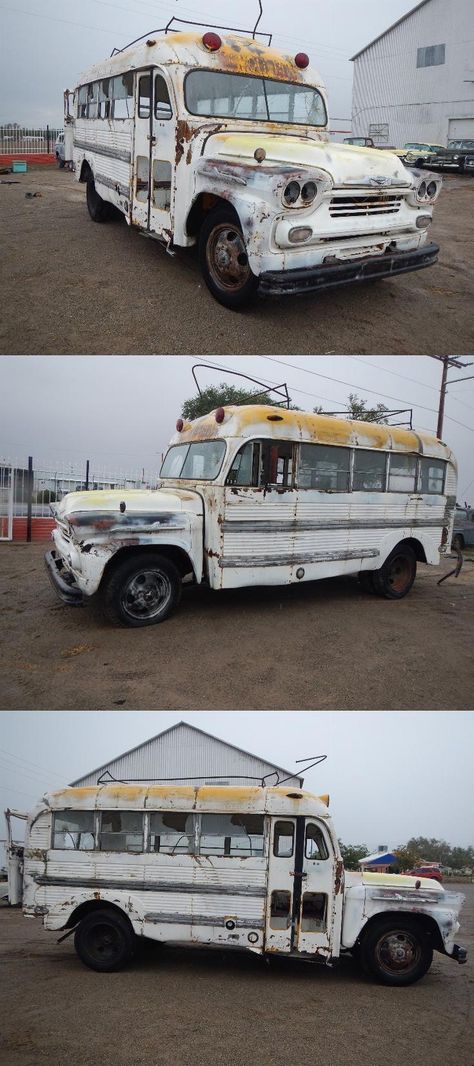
(463, 529)
(459, 155)
(221, 141)
(360, 142)
(418, 154)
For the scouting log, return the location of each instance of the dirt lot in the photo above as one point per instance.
(180, 1008)
(71, 286)
(324, 645)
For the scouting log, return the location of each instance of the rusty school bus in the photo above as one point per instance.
(254, 868)
(223, 142)
(258, 495)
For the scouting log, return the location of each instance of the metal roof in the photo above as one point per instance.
(392, 27)
(179, 725)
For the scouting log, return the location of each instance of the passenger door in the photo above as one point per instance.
(300, 888)
(153, 154)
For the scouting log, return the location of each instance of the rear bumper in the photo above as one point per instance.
(328, 276)
(62, 581)
(459, 954)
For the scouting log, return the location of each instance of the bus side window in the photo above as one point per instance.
(370, 471)
(245, 466)
(104, 98)
(402, 473)
(315, 844)
(277, 463)
(74, 830)
(283, 839)
(92, 99)
(171, 832)
(432, 474)
(163, 108)
(231, 834)
(121, 831)
(144, 87)
(121, 96)
(324, 467)
(82, 102)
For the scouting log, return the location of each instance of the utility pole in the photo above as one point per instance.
(448, 361)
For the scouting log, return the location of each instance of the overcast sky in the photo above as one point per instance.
(47, 43)
(120, 411)
(390, 775)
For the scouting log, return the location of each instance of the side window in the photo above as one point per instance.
(121, 95)
(402, 473)
(92, 99)
(324, 467)
(283, 839)
(121, 831)
(82, 102)
(315, 844)
(162, 98)
(245, 465)
(369, 471)
(231, 834)
(313, 912)
(277, 463)
(74, 830)
(171, 832)
(280, 904)
(144, 87)
(432, 476)
(104, 98)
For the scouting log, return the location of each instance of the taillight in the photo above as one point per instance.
(301, 60)
(220, 415)
(211, 41)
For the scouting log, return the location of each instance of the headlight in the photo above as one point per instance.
(309, 192)
(302, 191)
(425, 191)
(291, 193)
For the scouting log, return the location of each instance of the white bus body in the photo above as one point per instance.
(246, 867)
(227, 145)
(260, 496)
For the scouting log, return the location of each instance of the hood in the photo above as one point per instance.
(401, 882)
(346, 164)
(137, 501)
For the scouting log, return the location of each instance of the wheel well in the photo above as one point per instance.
(94, 905)
(427, 923)
(205, 202)
(416, 546)
(85, 171)
(176, 555)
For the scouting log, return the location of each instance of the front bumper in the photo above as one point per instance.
(330, 275)
(459, 954)
(62, 581)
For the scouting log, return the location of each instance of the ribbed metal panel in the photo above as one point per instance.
(186, 752)
(418, 103)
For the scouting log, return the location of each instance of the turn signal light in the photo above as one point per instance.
(302, 60)
(211, 41)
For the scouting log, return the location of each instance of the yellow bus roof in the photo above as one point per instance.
(256, 420)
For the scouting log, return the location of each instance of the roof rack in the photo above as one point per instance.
(107, 778)
(280, 390)
(174, 26)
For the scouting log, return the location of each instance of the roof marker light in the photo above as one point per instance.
(220, 415)
(211, 41)
(302, 60)
(180, 425)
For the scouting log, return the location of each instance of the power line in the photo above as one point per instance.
(21, 758)
(414, 381)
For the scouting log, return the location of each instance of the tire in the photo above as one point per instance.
(395, 578)
(99, 209)
(365, 581)
(223, 260)
(104, 940)
(458, 542)
(141, 591)
(419, 164)
(396, 951)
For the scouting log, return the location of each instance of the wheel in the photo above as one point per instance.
(395, 578)
(419, 163)
(365, 581)
(104, 940)
(224, 261)
(458, 542)
(99, 209)
(141, 591)
(396, 951)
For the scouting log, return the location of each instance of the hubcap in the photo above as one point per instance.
(146, 594)
(398, 951)
(104, 942)
(227, 258)
(399, 573)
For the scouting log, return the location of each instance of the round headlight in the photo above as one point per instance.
(431, 188)
(309, 191)
(422, 190)
(291, 193)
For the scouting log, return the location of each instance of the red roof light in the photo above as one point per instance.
(179, 425)
(220, 415)
(211, 41)
(302, 60)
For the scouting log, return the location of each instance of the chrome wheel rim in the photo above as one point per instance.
(227, 258)
(146, 594)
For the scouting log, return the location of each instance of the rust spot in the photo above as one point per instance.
(339, 876)
(96, 895)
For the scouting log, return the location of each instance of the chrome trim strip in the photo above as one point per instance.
(198, 888)
(123, 190)
(203, 919)
(276, 525)
(295, 558)
(111, 153)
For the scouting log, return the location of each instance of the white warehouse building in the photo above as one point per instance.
(416, 81)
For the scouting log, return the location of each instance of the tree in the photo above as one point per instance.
(351, 853)
(407, 857)
(357, 409)
(220, 396)
(45, 496)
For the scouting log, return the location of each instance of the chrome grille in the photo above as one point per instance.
(364, 204)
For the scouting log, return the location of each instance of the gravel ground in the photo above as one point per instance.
(71, 286)
(174, 1007)
(324, 645)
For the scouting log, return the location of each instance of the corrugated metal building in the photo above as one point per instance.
(182, 751)
(416, 81)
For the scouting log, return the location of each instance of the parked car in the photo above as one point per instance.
(360, 142)
(455, 156)
(463, 529)
(418, 154)
(59, 151)
(432, 872)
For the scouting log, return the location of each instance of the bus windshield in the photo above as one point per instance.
(211, 93)
(197, 462)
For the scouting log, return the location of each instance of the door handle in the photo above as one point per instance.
(151, 138)
(299, 873)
